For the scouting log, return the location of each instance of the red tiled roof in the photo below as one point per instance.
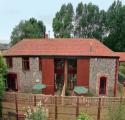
(121, 55)
(60, 47)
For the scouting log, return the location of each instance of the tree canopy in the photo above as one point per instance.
(63, 22)
(116, 27)
(31, 28)
(88, 21)
(3, 72)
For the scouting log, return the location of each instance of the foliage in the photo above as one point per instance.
(89, 94)
(3, 72)
(68, 92)
(116, 26)
(37, 113)
(121, 72)
(120, 90)
(89, 21)
(84, 116)
(121, 77)
(28, 29)
(3, 67)
(116, 112)
(62, 22)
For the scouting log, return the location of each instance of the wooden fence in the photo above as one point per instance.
(60, 108)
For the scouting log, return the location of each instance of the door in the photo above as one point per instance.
(11, 82)
(83, 72)
(72, 73)
(48, 75)
(102, 86)
(59, 73)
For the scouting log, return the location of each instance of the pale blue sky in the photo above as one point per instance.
(12, 11)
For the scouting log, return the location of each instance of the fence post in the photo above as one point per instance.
(34, 100)
(16, 105)
(55, 108)
(99, 109)
(77, 107)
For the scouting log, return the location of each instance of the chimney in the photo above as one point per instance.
(91, 47)
(46, 35)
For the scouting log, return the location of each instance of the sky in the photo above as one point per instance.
(13, 11)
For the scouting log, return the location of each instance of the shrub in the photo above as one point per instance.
(117, 112)
(67, 92)
(84, 116)
(3, 73)
(89, 94)
(37, 113)
(120, 90)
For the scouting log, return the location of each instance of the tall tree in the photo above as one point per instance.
(116, 27)
(3, 71)
(63, 22)
(89, 21)
(28, 29)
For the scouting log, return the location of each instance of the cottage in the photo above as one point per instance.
(58, 62)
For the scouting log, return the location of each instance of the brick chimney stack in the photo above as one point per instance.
(46, 36)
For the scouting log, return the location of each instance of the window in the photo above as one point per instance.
(9, 62)
(25, 63)
(40, 64)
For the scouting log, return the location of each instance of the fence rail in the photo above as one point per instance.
(60, 108)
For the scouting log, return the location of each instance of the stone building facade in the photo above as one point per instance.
(102, 67)
(26, 79)
(99, 67)
(72, 62)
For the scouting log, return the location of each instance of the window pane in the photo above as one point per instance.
(40, 64)
(25, 63)
(9, 62)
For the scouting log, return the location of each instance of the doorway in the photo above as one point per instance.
(72, 73)
(59, 74)
(102, 86)
(11, 82)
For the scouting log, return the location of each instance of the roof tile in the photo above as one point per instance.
(60, 47)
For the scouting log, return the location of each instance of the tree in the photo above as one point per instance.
(89, 21)
(116, 27)
(3, 72)
(28, 29)
(63, 22)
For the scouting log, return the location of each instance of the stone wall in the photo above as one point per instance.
(26, 79)
(102, 67)
(98, 67)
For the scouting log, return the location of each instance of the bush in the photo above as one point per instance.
(89, 94)
(117, 112)
(121, 77)
(37, 113)
(84, 116)
(3, 73)
(67, 92)
(120, 89)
